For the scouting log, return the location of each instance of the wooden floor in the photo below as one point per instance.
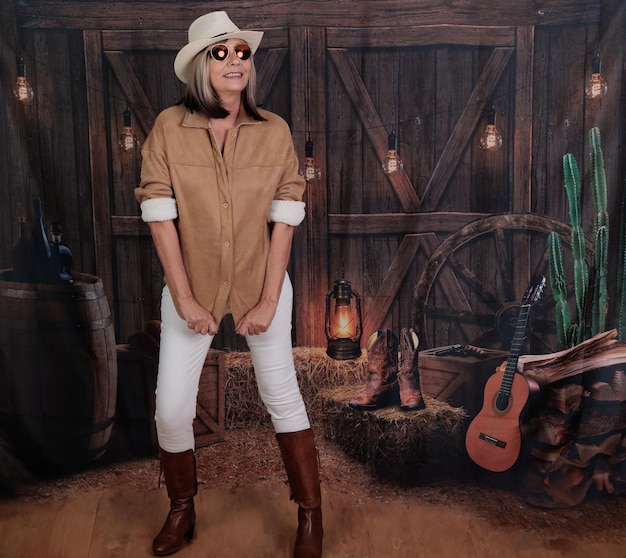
(259, 522)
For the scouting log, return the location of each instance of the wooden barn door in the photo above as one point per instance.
(383, 228)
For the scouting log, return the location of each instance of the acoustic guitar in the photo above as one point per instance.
(493, 440)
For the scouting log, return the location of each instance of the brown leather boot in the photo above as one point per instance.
(382, 365)
(408, 374)
(300, 458)
(179, 470)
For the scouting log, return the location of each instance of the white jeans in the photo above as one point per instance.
(182, 355)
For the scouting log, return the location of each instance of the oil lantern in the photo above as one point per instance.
(343, 321)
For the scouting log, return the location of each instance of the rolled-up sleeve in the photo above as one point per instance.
(287, 206)
(155, 193)
(286, 211)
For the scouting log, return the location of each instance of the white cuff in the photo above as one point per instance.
(286, 211)
(159, 209)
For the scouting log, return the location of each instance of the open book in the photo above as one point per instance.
(604, 349)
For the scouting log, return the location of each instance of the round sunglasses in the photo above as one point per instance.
(219, 53)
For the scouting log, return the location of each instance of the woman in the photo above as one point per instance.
(221, 193)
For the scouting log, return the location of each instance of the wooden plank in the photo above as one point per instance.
(49, 528)
(380, 70)
(117, 531)
(310, 241)
(79, 519)
(373, 125)
(207, 420)
(99, 150)
(562, 114)
(301, 254)
(391, 283)
(455, 74)
(463, 131)
(346, 255)
(399, 223)
(142, 108)
(420, 35)
(58, 143)
(316, 276)
(20, 170)
(168, 39)
(522, 156)
(73, 14)
(609, 116)
(267, 72)
(523, 136)
(123, 225)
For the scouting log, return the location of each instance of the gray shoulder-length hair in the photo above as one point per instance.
(201, 96)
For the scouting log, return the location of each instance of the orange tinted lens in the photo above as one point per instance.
(243, 51)
(219, 52)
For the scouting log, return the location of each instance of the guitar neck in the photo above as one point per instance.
(516, 350)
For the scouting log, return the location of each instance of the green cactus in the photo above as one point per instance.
(558, 284)
(600, 232)
(571, 333)
(581, 272)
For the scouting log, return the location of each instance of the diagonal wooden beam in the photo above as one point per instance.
(464, 129)
(391, 283)
(99, 159)
(372, 123)
(268, 72)
(141, 105)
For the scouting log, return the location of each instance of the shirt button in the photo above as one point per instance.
(233, 133)
(225, 205)
(227, 244)
(226, 283)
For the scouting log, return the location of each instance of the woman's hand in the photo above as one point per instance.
(258, 320)
(198, 318)
(166, 241)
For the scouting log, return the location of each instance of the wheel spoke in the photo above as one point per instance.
(475, 283)
(504, 264)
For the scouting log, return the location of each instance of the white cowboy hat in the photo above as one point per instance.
(207, 30)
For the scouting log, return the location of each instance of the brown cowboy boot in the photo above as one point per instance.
(179, 470)
(301, 463)
(382, 364)
(408, 374)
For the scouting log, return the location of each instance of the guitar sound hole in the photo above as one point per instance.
(502, 402)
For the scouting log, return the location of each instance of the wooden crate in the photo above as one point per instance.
(137, 362)
(458, 379)
(208, 426)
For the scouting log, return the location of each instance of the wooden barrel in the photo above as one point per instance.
(58, 371)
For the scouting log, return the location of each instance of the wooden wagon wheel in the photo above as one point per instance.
(470, 290)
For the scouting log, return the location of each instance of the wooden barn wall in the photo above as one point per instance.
(418, 87)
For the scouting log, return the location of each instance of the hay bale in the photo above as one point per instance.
(394, 444)
(315, 370)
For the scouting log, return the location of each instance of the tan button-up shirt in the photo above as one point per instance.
(222, 204)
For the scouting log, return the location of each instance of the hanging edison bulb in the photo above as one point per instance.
(22, 90)
(392, 164)
(596, 87)
(491, 138)
(310, 171)
(128, 139)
